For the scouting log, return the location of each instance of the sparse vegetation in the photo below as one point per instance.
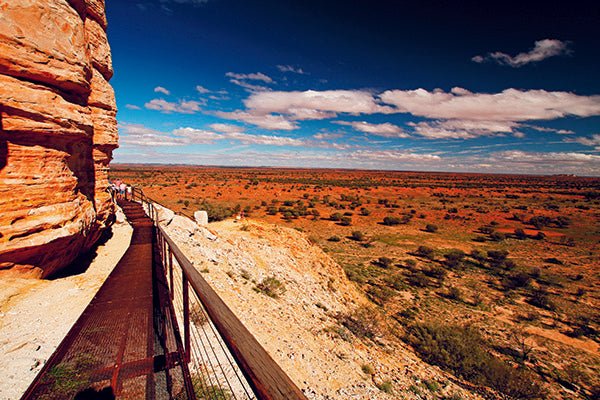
(364, 322)
(547, 281)
(463, 351)
(431, 228)
(271, 287)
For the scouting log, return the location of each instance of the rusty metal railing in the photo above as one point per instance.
(225, 359)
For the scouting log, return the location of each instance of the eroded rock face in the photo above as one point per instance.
(57, 132)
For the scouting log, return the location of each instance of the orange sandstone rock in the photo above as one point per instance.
(44, 41)
(57, 132)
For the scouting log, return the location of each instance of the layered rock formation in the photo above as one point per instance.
(57, 131)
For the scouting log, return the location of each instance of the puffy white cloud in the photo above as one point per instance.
(385, 130)
(461, 129)
(508, 105)
(182, 106)
(202, 90)
(132, 107)
(289, 68)
(160, 89)
(257, 76)
(457, 114)
(266, 121)
(542, 50)
(313, 104)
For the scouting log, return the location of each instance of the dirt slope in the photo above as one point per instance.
(299, 329)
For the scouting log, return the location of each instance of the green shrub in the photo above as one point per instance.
(455, 293)
(454, 258)
(384, 262)
(385, 386)
(216, 212)
(271, 286)
(520, 234)
(336, 216)
(362, 322)
(497, 236)
(358, 236)
(464, 352)
(367, 369)
(426, 252)
(432, 385)
(391, 221)
(419, 279)
(541, 298)
(431, 228)
(346, 221)
(334, 238)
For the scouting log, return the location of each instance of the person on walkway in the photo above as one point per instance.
(117, 187)
(122, 189)
(111, 189)
(129, 191)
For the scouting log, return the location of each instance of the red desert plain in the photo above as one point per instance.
(478, 274)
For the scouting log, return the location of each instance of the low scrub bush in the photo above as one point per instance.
(216, 212)
(271, 286)
(362, 322)
(391, 221)
(426, 252)
(384, 262)
(431, 228)
(463, 351)
(358, 236)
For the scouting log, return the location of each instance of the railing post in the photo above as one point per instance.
(171, 272)
(186, 317)
(164, 252)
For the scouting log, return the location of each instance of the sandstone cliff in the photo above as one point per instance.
(57, 131)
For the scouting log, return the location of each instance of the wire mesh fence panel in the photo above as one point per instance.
(214, 371)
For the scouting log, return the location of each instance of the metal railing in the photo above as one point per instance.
(224, 359)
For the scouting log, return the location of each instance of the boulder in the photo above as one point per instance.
(201, 218)
(185, 225)
(165, 215)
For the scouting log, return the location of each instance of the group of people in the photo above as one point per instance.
(120, 189)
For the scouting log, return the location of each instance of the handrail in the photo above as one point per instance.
(150, 199)
(265, 376)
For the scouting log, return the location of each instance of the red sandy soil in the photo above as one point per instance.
(564, 263)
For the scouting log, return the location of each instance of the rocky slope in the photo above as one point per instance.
(57, 131)
(301, 328)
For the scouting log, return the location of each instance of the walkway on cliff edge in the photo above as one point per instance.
(124, 345)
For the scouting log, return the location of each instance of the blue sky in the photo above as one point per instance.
(431, 86)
